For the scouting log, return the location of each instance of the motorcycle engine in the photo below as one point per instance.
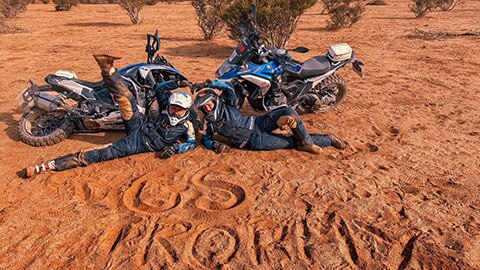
(93, 109)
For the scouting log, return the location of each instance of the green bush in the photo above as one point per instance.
(345, 14)
(209, 16)
(277, 19)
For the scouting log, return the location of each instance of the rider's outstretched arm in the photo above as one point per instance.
(228, 92)
(212, 144)
(163, 90)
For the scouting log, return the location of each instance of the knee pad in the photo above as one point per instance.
(287, 120)
(125, 107)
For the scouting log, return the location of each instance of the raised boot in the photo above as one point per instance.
(114, 81)
(105, 60)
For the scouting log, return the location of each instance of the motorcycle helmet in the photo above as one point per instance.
(178, 100)
(204, 97)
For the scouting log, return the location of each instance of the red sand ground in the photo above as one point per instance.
(403, 195)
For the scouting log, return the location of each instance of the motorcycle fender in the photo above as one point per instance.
(264, 84)
(357, 67)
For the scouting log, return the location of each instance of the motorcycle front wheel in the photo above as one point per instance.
(41, 128)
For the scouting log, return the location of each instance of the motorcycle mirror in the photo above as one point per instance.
(153, 45)
(254, 14)
(300, 50)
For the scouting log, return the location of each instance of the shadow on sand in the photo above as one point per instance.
(12, 125)
(201, 49)
(99, 138)
(96, 24)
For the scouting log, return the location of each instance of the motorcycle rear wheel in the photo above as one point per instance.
(41, 128)
(330, 92)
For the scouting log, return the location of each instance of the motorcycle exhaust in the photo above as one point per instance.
(48, 102)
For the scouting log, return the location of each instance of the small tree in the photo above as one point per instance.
(209, 16)
(11, 8)
(422, 7)
(133, 7)
(277, 19)
(65, 5)
(345, 15)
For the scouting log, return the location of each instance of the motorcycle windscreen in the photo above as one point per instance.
(238, 56)
(224, 68)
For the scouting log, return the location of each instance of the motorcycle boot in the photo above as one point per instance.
(304, 140)
(114, 81)
(31, 171)
(337, 142)
(105, 59)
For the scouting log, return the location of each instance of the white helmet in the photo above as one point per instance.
(178, 99)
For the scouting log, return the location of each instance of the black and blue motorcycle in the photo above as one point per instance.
(65, 104)
(270, 78)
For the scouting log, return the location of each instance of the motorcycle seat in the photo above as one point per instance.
(315, 66)
(89, 84)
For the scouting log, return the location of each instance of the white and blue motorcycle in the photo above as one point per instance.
(270, 77)
(65, 104)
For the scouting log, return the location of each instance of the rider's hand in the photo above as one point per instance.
(199, 86)
(167, 152)
(183, 83)
(219, 147)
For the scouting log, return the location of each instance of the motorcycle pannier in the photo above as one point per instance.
(340, 52)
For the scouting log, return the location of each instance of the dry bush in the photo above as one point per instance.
(209, 16)
(447, 5)
(345, 15)
(64, 5)
(3, 27)
(429, 35)
(11, 8)
(330, 5)
(277, 19)
(422, 7)
(133, 7)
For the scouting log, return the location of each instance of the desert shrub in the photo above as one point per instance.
(11, 8)
(447, 5)
(64, 5)
(3, 27)
(277, 19)
(209, 16)
(345, 15)
(422, 7)
(330, 5)
(133, 7)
